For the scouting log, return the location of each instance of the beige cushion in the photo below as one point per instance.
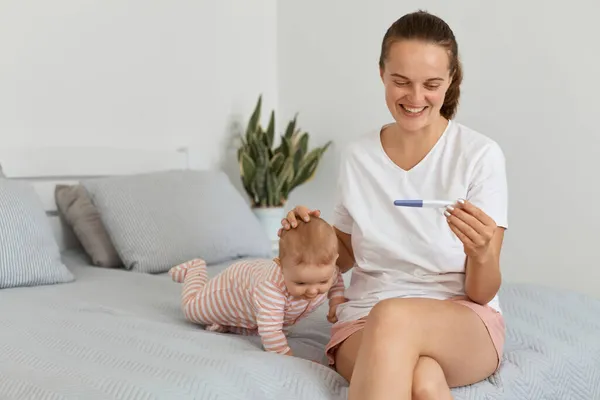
(74, 204)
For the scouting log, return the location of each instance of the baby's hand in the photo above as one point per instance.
(333, 305)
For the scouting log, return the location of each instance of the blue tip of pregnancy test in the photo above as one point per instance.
(408, 203)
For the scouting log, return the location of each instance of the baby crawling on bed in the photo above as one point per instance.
(266, 297)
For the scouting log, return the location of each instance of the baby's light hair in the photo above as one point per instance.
(313, 242)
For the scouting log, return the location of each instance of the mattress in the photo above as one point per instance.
(116, 334)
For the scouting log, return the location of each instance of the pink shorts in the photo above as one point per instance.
(492, 319)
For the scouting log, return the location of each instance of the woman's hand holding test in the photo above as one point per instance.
(482, 240)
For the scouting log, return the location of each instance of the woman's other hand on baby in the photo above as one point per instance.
(302, 212)
(333, 305)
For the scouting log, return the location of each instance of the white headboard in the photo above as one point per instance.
(46, 167)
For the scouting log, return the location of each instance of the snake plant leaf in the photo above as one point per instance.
(298, 157)
(270, 132)
(287, 148)
(259, 135)
(248, 173)
(253, 149)
(254, 118)
(291, 128)
(247, 167)
(325, 147)
(303, 144)
(276, 163)
(261, 185)
(285, 190)
(254, 193)
(274, 197)
(285, 178)
(287, 171)
(307, 168)
(305, 173)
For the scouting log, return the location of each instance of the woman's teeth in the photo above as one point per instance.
(412, 110)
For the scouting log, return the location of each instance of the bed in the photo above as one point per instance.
(118, 333)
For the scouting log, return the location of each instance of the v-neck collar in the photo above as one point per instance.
(422, 161)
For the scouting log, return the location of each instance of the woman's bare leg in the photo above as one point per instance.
(345, 356)
(429, 381)
(399, 332)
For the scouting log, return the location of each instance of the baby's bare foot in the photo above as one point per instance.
(217, 328)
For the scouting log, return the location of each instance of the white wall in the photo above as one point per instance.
(133, 73)
(530, 83)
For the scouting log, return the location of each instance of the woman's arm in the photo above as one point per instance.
(346, 259)
(483, 276)
(482, 241)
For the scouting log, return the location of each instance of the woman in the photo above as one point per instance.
(422, 314)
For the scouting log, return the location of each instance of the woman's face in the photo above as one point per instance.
(416, 77)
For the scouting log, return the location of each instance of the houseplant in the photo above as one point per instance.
(268, 173)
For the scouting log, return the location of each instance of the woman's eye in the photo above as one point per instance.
(432, 87)
(401, 83)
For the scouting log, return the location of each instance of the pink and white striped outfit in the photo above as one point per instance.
(249, 297)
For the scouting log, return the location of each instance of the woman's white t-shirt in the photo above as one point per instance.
(412, 252)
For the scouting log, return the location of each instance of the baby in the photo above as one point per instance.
(266, 297)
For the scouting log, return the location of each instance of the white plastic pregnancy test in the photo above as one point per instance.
(424, 203)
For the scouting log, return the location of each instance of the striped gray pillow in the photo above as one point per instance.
(158, 220)
(29, 254)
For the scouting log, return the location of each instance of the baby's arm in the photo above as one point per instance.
(336, 297)
(338, 288)
(269, 307)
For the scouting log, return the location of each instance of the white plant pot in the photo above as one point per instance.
(270, 219)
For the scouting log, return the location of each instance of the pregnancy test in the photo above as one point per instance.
(423, 203)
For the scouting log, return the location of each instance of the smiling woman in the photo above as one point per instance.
(423, 313)
(422, 75)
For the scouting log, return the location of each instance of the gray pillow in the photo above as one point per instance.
(29, 253)
(158, 220)
(81, 215)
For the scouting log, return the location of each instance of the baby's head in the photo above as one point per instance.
(307, 256)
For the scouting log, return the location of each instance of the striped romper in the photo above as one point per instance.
(248, 298)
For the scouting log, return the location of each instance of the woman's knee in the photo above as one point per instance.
(429, 381)
(392, 314)
(430, 389)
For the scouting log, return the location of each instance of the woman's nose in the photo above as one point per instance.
(416, 95)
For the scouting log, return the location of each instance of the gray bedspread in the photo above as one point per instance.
(121, 335)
